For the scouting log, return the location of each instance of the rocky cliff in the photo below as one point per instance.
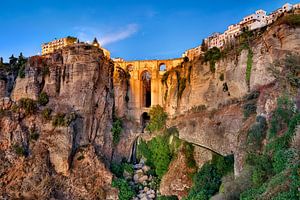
(60, 150)
(210, 109)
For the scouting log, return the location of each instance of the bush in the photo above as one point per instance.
(158, 118)
(46, 113)
(257, 133)
(125, 191)
(157, 154)
(212, 56)
(19, 150)
(262, 168)
(249, 66)
(160, 154)
(282, 159)
(281, 116)
(189, 155)
(34, 136)
(43, 99)
(117, 169)
(221, 77)
(249, 108)
(59, 120)
(28, 105)
(291, 20)
(167, 198)
(208, 180)
(128, 168)
(116, 130)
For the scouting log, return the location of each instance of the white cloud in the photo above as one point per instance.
(87, 34)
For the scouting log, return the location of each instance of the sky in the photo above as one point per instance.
(131, 29)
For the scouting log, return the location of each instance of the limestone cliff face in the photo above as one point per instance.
(209, 115)
(64, 162)
(206, 88)
(79, 80)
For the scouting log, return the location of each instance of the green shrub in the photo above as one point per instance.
(251, 194)
(128, 168)
(21, 72)
(158, 118)
(262, 168)
(281, 116)
(117, 169)
(207, 181)
(59, 120)
(257, 133)
(252, 95)
(167, 198)
(125, 191)
(117, 128)
(34, 136)
(291, 20)
(212, 56)
(160, 154)
(221, 77)
(157, 154)
(43, 99)
(46, 113)
(249, 108)
(249, 66)
(28, 105)
(19, 150)
(189, 155)
(282, 159)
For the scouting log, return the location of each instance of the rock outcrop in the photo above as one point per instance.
(41, 160)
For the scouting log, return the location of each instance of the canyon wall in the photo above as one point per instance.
(209, 115)
(42, 160)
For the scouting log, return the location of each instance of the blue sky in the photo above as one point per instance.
(131, 29)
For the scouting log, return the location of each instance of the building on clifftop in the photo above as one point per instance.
(50, 47)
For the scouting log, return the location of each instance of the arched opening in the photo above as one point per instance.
(162, 67)
(145, 118)
(146, 89)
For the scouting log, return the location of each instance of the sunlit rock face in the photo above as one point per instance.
(63, 162)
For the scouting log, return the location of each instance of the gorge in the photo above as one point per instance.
(75, 124)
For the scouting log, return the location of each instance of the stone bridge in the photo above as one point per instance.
(145, 87)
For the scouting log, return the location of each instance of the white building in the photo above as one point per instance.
(296, 6)
(232, 31)
(254, 21)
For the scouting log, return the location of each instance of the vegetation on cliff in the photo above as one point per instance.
(208, 179)
(117, 128)
(275, 169)
(212, 56)
(158, 119)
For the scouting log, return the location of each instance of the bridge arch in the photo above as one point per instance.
(162, 67)
(146, 89)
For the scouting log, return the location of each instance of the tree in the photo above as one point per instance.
(158, 118)
(12, 60)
